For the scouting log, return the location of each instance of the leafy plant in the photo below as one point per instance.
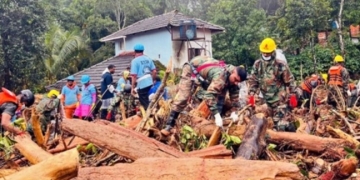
(349, 152)
(229, 140)
(6, 145)
(190, 140)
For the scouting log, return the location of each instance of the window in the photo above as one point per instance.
(194, 52)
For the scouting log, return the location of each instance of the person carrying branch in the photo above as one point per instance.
(305, 90)
(216, 78)
(338, 76)
(275, 81)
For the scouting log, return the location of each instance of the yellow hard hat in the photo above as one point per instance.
(324, 76)
(338, 59)
(267, 45)
(126, 74)
(242, 66)
(53, 93)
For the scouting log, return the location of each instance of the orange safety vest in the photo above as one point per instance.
(7, 96)
(306, 85)
(351, 86)
(335, 76)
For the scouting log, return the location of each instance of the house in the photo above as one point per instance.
(168, 35)
(121, 62)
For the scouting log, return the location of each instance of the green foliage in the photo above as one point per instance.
(190, 140)
(6, 146)
(229, 140)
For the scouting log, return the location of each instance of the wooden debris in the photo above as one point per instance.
(254, 139)
(213, 152)
(122, 141)
(60, 166)
(193, 168)
(32, 152)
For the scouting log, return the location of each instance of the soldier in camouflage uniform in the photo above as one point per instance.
(275, 81)
(338, 76)
(48, 108)
(216, 78)
(126, 97)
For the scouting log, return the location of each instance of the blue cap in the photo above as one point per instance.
(85, 79)
(70, 78)
(139, 47)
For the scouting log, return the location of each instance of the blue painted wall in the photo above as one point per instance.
(157, 43)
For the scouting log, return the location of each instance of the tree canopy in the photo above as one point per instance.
(42, 41)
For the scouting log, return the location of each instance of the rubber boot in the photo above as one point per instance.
(170, 123)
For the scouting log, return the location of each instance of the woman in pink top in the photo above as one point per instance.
(88, 99)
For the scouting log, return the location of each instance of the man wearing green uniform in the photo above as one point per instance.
(275, 81)
(216, 78)
(126, 97)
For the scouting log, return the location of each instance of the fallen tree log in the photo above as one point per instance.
(253, 141)
(309, 142)
(58, 167)
(193, 168)
(213, 152)
(31, 151)
(7, 172)
(122, 141)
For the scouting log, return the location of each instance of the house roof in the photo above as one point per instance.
(95, 71)
(156, 22)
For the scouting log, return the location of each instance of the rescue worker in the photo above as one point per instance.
(107, 90)
(216, 78)
(10, 103)
(88, 99)
(353, 94)
(126, 97)
(338, 76)
(122, 81)
(275, 82)
(48, 108)
(155, 87)
(142, 70)
(70, 97)
(305, 89)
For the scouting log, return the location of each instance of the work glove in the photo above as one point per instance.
(218, 120)
(234, 116)
(108, 116)
(77, 104)
(293, 101)
(251, 100)
(348, 93)
(151, 96)
(111, 88)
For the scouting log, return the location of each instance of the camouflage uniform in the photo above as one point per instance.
(129, 103)
(273, 77)
(216, 88)
(47, 110)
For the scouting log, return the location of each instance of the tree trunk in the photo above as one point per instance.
(32, 152)
(253, 141)
(193, 168)
(339, 29)
(122, 141)
(213, 152)
(309, 142)
(59, 167)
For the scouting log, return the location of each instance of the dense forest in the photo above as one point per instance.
(42, 41)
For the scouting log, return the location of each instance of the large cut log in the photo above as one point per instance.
(193, 168)
(31, 151)
(308, 142)
(213, 152)
(122, 141)
(7, 172)
(254, 139)
(59, 167)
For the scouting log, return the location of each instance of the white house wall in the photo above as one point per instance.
(157, 44)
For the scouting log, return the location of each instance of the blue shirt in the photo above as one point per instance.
(155, 88)
(142, 67)
(106, 80)
(86, 94)
(120, 82)
(70, 94)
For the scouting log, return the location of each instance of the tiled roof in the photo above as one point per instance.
(172, 18)
(95, 71)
